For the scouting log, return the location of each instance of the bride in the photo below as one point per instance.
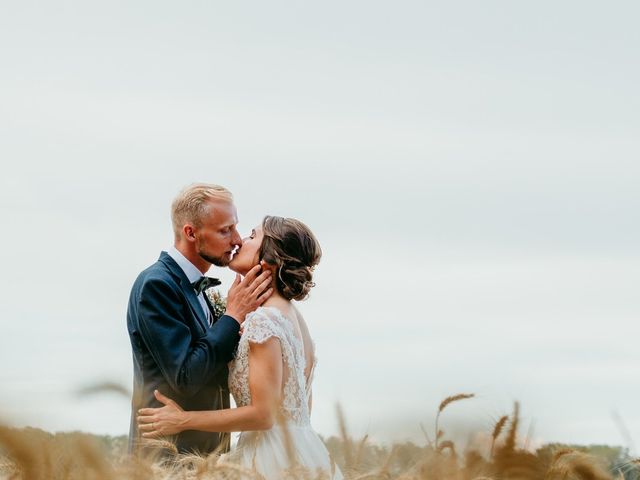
(270, 377)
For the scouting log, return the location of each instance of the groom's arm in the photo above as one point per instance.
(186, 363)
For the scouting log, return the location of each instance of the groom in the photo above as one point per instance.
(179, 347)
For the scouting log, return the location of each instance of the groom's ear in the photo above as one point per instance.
(188, 232)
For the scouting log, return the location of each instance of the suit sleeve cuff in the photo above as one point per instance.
(227, 318)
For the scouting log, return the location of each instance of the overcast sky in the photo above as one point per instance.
(470, 169)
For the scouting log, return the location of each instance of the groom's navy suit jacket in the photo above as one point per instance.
(176, 351)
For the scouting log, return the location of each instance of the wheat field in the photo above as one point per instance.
(33, 454)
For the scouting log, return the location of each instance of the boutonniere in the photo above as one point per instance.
(218, 302)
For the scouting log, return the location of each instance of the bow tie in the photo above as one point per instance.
(203, 283)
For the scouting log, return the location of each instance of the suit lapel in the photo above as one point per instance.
(187, 289)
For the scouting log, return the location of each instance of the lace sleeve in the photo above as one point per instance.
(260, 327)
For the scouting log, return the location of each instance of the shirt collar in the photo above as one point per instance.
(187, 267)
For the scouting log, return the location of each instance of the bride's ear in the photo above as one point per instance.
(265, 266)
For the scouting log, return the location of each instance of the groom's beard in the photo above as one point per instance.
(217, 261)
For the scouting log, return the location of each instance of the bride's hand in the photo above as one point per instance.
(167, 420)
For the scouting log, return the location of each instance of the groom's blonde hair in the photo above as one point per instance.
(194, 202)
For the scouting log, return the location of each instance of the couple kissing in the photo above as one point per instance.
(187, 358)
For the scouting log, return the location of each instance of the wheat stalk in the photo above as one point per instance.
(447, 401)
(348, 450)
(497, 430)
(510, 443)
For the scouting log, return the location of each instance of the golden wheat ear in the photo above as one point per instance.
(447, 401)
(497, 430)
(454, 398)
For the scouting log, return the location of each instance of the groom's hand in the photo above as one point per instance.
(249, 293)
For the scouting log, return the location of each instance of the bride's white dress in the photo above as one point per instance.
(270, 452)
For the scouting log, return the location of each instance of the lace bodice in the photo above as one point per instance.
(259, 326)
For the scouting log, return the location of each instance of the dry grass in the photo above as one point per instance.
(32, 454)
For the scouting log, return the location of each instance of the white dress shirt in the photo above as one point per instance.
(193, 274)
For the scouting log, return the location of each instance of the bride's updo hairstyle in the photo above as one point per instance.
(288, 244)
